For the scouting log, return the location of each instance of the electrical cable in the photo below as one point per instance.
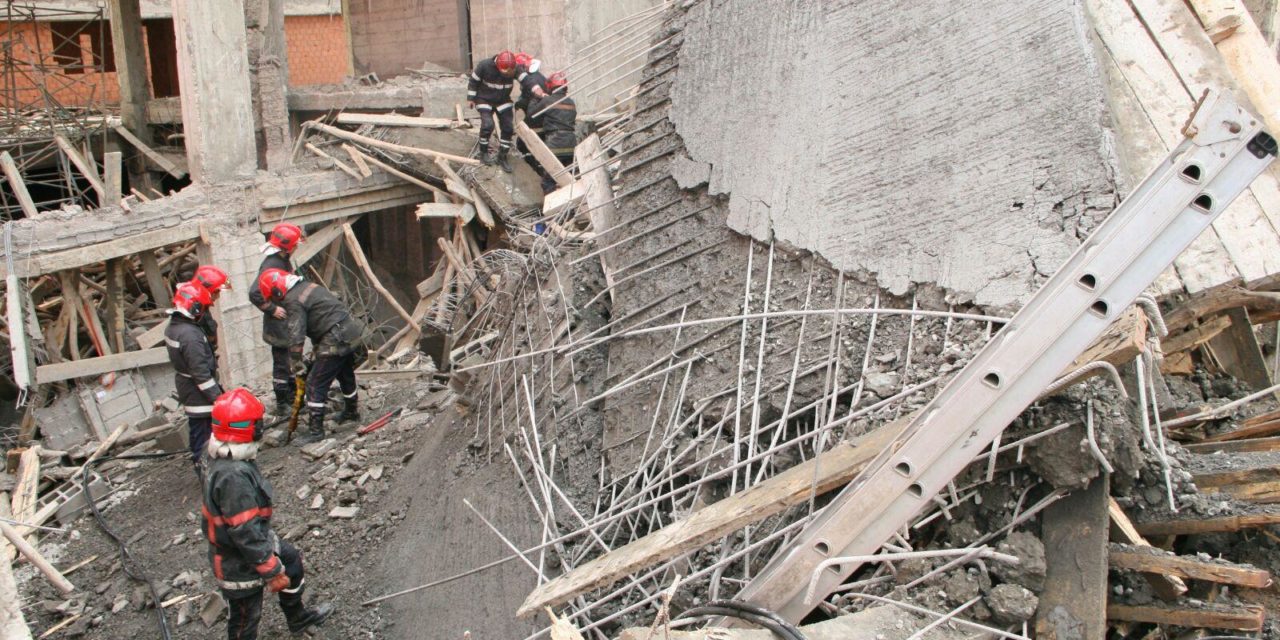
(126, 558)
(758, 616)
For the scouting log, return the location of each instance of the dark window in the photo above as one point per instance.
(70, 40)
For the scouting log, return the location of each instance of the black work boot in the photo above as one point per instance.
(301, 617)
(485, 157)
(503, 160)
(350, 410)
(315, 431)
(284, 404)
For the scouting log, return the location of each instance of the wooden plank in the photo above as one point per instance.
(1246, 53)
(319, 241)
(105, 364)
(1182, 525)
(1252, 431)
(542, 153)
(153, 336)
(79, 161)
(70, 281)
(160, 291)
(1192, 568)
(25, 492)
(1205, 615)
(1236, 446)
(400, 174)
(465, 277)
(1166, 586)
(358, 159)
(563, 198)
(829, 471)
(1258, 485)
(1195, 336)
(1122, 342)
(395, 120)
(1236, 350)
(442, 210)
(1152, 116)
(112, 176)
(357, 254)
(16, 183)
(482, 208)
(114, 304)
(1075, 532)
(93, 325)
(359, 139)
(336, 162)
(13, 626)
(164, 163)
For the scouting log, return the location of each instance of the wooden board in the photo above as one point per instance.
(1259, 485)
(97, 366)
(1187, 525)
(1188, 567)
(443, 210)
(318, 242)
(16, 184)
(832, 470)
(563, 198)
(1205, 616)
(542, 153)
(1195, 336)
(1247, 54)
(1245, 432)
(1236, 350)
(164, 163)
(1075, 531)
(1122, 529)
(1122, 342)
(395, 120)
(1236, 446)
(85, 170)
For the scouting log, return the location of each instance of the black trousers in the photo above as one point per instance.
(281, 378)
(506, 123)
(244, 608)
(198, 428)
(323, 373)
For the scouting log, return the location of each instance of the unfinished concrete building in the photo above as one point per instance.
(827, 329)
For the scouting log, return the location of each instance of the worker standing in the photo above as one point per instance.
(245, 552)
(335, 335)
(489, 93)
(280, 245)
(195, 369)
(214, 280)
(556, 117)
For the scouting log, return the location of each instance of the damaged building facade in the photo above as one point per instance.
(791, 235)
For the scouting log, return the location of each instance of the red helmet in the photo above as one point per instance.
(285, 237)
(237, 416)
(556, 81)
(211, 278)
(505, 61)
(192, 298)
(273, 284)
(523, 60)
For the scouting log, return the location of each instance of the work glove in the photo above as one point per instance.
(278, 582)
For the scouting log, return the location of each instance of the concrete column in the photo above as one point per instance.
(269, 81)
(131, 63)
(243, 358)
(213, 70)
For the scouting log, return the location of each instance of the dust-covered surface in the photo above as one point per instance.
(156, 509)
(845, 135)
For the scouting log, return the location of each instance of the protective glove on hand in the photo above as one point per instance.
(278, 583)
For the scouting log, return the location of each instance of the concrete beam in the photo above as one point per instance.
(213, 69)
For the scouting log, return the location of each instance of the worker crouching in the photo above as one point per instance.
(245, 552)
(315, 313)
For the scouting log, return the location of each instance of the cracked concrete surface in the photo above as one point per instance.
(975, 163)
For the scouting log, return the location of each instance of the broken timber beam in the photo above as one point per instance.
(155, 156)
(398, 173)
(444, 210)
(16, 183)
(1259, 485)
(1255, 430)
(1237, 352)
(1122, 529)
(1150, 560)
(1205, 616)
(542, 153)
(1122, 342)
(833, 469)
(353, 245)
(395, 120)
(78, 160)
(97, 366)
(1236, 446)
(1075, 531)
(1189, 524)
(336, 162)
(390, 146)
(482, 207)
(318, 242)
(1195, 336)
(358, 159)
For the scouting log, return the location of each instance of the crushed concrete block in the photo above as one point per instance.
(317, 501)
(345, 513)
(1030, 571)
(375, 472)
(884, 383)
(317, 450)
(184, 613)
(212, 609)
(274, 437)
(185, 579)
(1012, 604)
(303, 492)
(120, 604)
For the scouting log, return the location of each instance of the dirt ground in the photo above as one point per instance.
(408, 481)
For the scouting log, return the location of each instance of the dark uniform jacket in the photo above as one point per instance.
(236, 519)
(195, 369)
(529, 80)
(315, 313)
(274, 332)
(558, 123)
(210, 328)
(488, 85)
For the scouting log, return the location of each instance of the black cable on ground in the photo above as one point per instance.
(758, 616)
(126, 558)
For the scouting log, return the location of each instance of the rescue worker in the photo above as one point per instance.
(335, 335)
(532, 87)
(489, 91)
(214, 280)
(281, 243)
(556, 117)
(245, 552)
(195, 369)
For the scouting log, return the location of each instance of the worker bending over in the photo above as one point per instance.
(555, 117)
(489, 91)
(335, 336)
(282, 241)
(195, 369)
(245, 552)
